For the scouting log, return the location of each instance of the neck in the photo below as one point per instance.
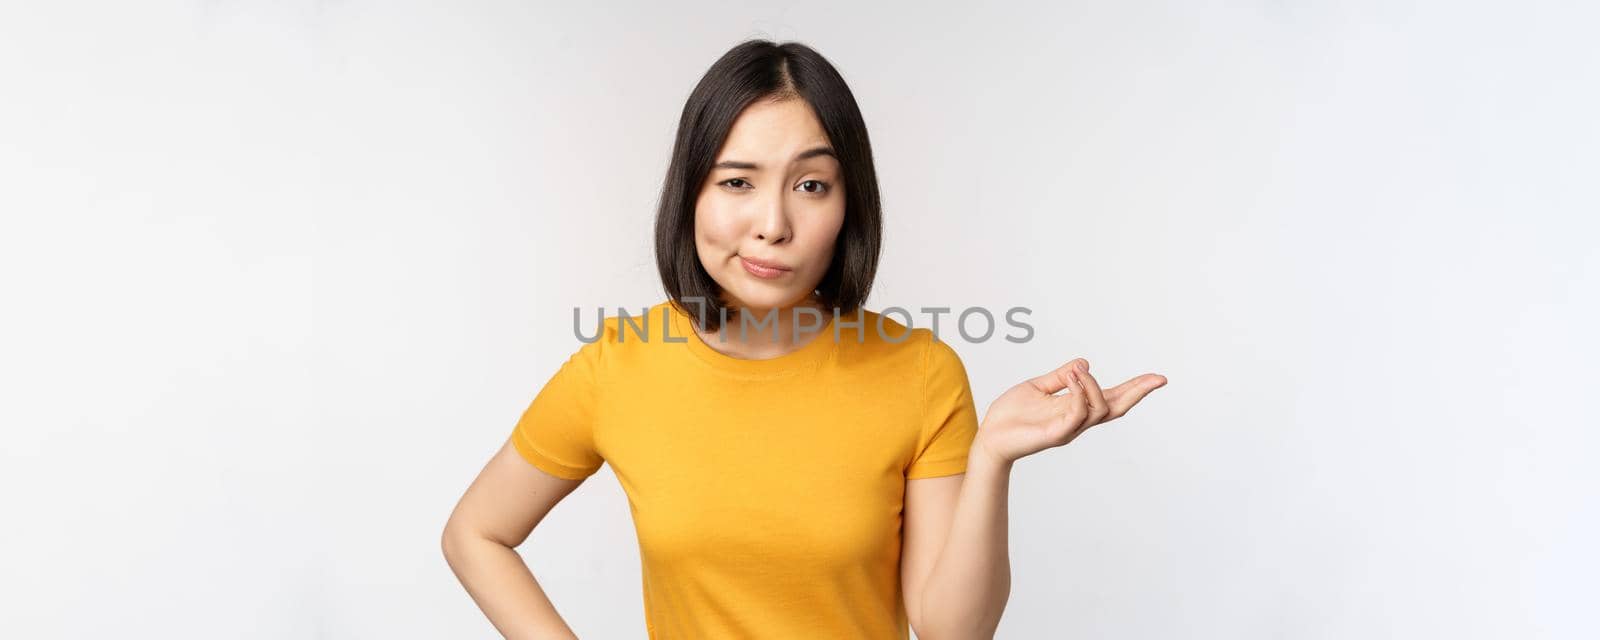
(761, 333)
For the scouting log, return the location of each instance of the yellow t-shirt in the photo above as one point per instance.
(766, 494)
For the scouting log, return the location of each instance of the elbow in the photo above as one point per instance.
(980, 626)
(458, 539)
(455, 539)
(449, 542)
(976, 631)
(968, 610)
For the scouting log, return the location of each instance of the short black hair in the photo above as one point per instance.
(753, 70)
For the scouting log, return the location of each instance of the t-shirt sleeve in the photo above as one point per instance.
(949, 417)
(556, 432)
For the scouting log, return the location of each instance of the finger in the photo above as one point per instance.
(1098, 409)
(1077, 409)
(1122, 397)
(1053, 381)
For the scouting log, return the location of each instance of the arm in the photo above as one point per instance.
(957, 566)
(498, 512)
(956, 563)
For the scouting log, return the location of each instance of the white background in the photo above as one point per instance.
(278, 277)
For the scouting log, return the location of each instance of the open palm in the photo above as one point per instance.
(1030, 417)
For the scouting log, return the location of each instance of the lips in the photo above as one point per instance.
(767, 264)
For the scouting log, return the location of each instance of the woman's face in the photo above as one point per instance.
(773, 196)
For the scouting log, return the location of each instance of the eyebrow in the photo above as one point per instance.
(803, 155)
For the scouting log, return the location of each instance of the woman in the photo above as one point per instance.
(797, 466)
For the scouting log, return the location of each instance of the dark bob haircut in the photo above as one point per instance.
(750, 71)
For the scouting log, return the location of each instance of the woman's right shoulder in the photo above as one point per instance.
(619, 331)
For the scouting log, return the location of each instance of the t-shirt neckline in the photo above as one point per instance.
(818, 347)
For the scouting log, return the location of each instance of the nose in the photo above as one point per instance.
(772, 220)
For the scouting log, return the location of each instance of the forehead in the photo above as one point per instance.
(768, 130)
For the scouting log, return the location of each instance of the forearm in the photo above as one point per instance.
(504, 589)
(966, 591)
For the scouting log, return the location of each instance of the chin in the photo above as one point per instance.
(755, 296)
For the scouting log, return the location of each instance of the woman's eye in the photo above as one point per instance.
(818, 185)
(822, 187)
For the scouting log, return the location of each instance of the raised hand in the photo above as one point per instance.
(1029, 417)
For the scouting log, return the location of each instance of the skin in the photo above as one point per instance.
(955, 568)
(765, 201)
(767, 198)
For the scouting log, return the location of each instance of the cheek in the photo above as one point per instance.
(823, 231)
(714, 223)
